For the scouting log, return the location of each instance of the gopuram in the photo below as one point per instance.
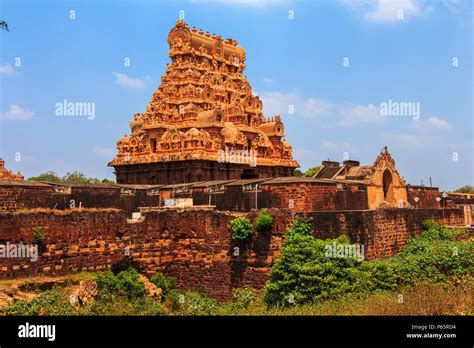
(203, 123)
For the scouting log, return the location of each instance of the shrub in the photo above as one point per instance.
(196, 303)
(50, 302)
(301, 227)
(304, 273)
(264, 221)
(241, 229)
(242, 298)
(125, 283)
(165, 283)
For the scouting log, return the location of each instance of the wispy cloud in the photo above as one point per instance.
(430, 123)
(131, 82)
(386, 10)
(18, 113)
(6, 69)
(342, 115)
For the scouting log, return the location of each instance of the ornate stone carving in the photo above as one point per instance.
(203, 104)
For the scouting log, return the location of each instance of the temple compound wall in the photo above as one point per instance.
(193, 245)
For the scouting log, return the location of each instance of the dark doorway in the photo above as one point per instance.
(249, 174)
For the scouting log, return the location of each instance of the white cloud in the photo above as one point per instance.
(6, 69)
(104, 152)
(131, 82)
(17, 113)
(342, 115)
(267, 80)
(386, 10)
(430, 123)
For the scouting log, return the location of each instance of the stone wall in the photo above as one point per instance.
(31, 195)
(193, 245)
(426, 196)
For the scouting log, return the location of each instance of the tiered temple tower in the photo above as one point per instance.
(203, 123)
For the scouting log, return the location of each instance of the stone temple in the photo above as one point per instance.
(203, 123)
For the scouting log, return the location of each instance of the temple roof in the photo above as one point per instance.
(203, 106)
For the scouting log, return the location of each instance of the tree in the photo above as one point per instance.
(311, 171)
(465, 189)
(48, 176)
(298, 173)
(76, 177)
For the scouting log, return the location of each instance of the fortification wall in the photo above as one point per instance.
(193, 245)
(30, 195)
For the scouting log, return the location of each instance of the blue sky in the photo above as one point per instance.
(404, 51)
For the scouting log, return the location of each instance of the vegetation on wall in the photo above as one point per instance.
(264, 221)
(304, 274)
(241, 229)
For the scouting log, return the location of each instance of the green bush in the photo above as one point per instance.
(165, 283)
(242, 298)
(301, 227)
(241, 229)
(125, 283)
(50, 302)
(264, 221)
(196, 303)
(304, 273)
(191, 303)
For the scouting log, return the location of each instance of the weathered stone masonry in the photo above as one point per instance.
(193, 245)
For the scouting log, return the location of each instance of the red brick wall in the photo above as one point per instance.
(14, 198)
(427, 196)
(194, 245)
(300, 197)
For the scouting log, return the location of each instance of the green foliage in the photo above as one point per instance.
(264, 221)
(48, 176)
(304, 273)
(75, 177)
(301, 227)
(125, 283)
(311, 172)
(39, 235)
(465, 189)
(50, 302)
(298, 173)
(195, 303)
(165, 283)
(241, 229)
(242, 298)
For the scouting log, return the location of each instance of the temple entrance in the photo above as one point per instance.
(387, 186)
(249, 174)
